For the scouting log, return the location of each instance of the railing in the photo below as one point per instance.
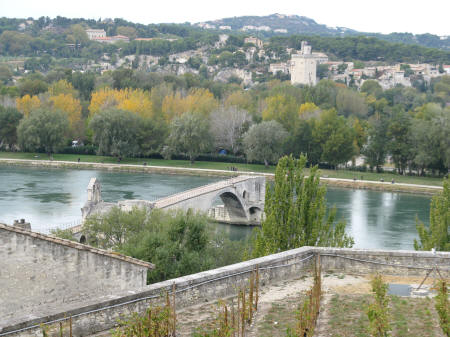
(188, 194)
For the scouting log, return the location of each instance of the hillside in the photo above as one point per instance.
(281, 24)
(293, 24)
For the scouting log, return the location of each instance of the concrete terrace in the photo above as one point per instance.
(276, 272)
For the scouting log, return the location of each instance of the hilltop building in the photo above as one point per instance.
(303, 66)
(254, 40)
(95, 33)
(112, 39)
(282, 67)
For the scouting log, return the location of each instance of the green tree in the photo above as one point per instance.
(378, 310)
(130, 32)
(399, 130)
(437, 236)
(189, 134)
(283, 109)
(115, 132)
(178, 243)
(296, 212)
(9, 121)
(351, 103)
(372, 87)
(151, 135)
(335, 137)
(264, 142)
(5, 74)
(32, 87)
(322, 71)
(77, 35)
(44, 129)
(375, 149)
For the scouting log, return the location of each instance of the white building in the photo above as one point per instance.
(95, 33)
(304, 66)
(282, 67)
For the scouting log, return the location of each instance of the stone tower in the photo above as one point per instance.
(303, 66)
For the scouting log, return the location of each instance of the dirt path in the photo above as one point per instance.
(277, 307)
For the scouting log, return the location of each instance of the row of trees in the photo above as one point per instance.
(363, 48)
(186, 115)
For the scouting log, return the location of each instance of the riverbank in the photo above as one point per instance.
(150, 166)
(220, 166)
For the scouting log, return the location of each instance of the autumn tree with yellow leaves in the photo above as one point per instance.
(62, 87)
(134, 100)
(27, 103)
(197, 100)
(72, 108)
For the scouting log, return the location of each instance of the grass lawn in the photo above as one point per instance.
(413, 317)
(344, 174)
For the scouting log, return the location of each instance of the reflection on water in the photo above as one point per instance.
(51, 197)
(380, 219)
(63, 198)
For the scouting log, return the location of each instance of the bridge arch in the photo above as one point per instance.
(255, 214)
(233, 203)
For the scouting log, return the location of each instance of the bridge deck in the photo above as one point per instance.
(192, 193)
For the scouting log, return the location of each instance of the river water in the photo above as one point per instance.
(50, 198)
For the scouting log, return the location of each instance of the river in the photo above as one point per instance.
(50, 198)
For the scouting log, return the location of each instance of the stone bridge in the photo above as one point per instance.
(242, 197)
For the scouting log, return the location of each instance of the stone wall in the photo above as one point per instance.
(222, 282)
(42, 275)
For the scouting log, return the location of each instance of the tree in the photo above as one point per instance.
(197, 100)
(62, 87)
(227, 127)
(27, 103)
(151, 135)
(9, 120)
(322, 71)
(84, 83)
(335, 137)
(127, 31)
(178, 243)
(5, 74)
(375, 149)
(372, 87)
(437, 236)
(400, 140)
(32, 87)
(283, 109)
(189, 134)
(264, 142)
(296, 212)
(115, 132)
(44, 129)
(133, 100)
(351, 103)
(77, 35)
(426, 143)
(71, 106)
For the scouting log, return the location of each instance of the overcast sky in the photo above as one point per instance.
(384, 16)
